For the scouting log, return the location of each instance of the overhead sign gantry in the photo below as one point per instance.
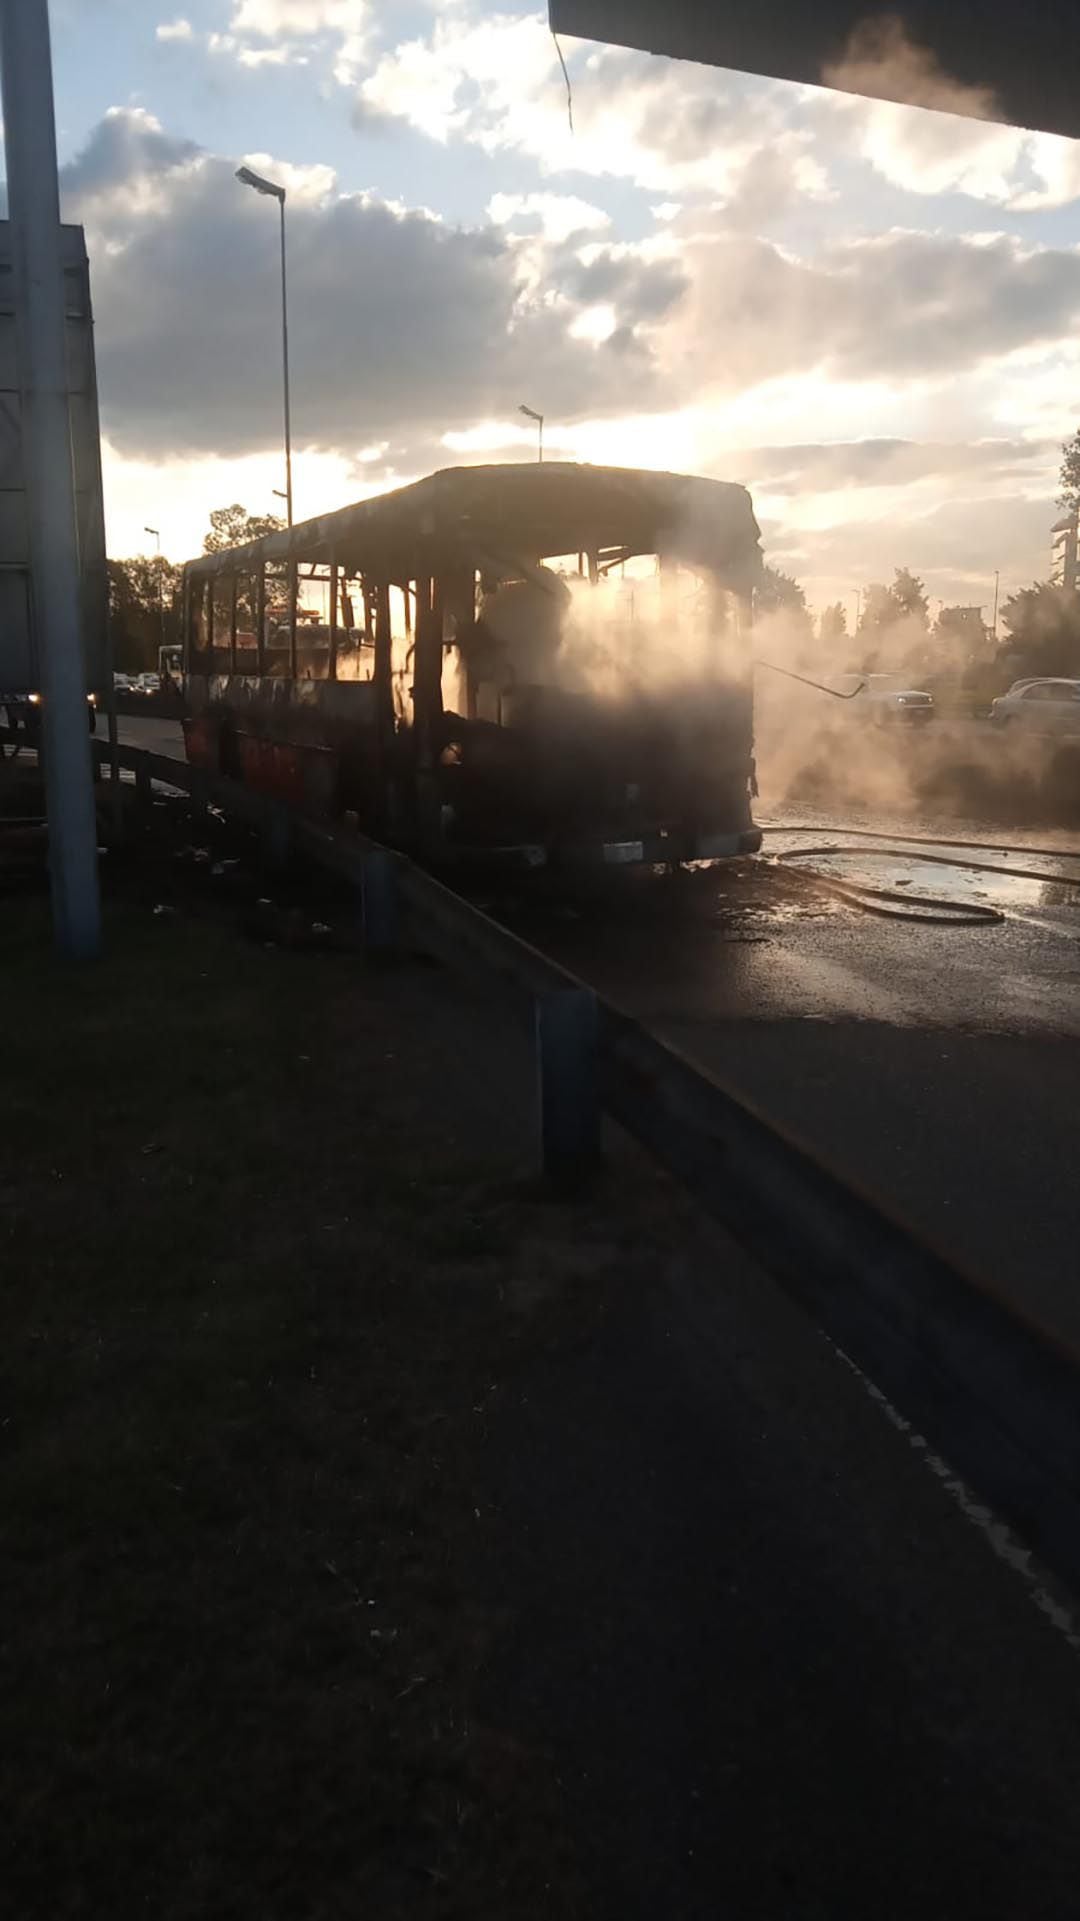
(991, 59)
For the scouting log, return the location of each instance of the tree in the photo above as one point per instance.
(894, 623)
(140, 591)
(878, 611)
(780, 607)
(1069, 496)
(910, 596)
(777, 591)
(233, 526)
(832, 627)
(961, 638)
(1043, 624)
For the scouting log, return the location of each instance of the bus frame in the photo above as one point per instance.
(315, 706)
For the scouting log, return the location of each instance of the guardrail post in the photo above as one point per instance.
(569, 1086)
(276, 836)
(379, 902)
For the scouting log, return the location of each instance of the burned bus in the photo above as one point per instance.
(544, 664)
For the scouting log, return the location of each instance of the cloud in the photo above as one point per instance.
(125, 161)
(934, 153)
(558, 216)
(174, 30)
(493, 79)
(899, 307)
(282, 33)
(401, 327)
(297, 19)
(827, 467)
(413, 342)
(956, 544)
(404, 328)
(927, 147)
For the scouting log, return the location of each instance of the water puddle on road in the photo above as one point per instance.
(929, 880)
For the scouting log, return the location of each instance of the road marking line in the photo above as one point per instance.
(1006, 1545)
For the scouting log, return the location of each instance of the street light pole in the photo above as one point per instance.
(531, 414)
(274, 192)
(160, 596)
(285, 367)
(41, 345)
(997, 584)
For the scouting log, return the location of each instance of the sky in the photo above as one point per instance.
(867, 313)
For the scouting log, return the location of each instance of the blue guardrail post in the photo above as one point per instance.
(569, 1087)
(276, 837)
(379, 903)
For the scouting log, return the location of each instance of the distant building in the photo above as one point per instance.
(1063, 552)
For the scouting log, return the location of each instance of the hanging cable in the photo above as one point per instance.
(566, 77)
(818, 685)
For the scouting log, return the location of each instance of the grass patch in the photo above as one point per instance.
(264, 1263)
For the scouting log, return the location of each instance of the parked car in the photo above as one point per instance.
(147, 684)
(1041, 706)
(885, 698)
(123, 683)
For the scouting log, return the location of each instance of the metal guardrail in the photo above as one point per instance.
(993, 1393)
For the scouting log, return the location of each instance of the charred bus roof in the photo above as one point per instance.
(551, 508)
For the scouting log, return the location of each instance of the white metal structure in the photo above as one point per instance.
(34, 205)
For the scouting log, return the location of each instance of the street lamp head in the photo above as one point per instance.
(261, 185)
(156, 531)
(530, 413)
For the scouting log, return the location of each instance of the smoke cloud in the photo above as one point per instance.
(814, 750)
(881, 62)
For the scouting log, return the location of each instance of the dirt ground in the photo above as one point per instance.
(271, 1243)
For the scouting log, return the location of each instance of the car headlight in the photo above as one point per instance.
(35, 700)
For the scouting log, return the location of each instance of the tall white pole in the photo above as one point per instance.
(259, 183)
(160, 599)
(34, 207)
(285, 368)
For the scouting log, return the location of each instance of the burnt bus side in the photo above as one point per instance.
(312, 745)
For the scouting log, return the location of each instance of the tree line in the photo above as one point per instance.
(1040, 624)
(145, 610)
(894, 628)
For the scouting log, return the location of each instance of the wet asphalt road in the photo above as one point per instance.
(936, 1066)
(151, 731)
(778, 1674)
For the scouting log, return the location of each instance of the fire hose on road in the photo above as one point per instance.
(888, 902)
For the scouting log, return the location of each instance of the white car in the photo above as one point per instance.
(1040, 706)
(884, 698)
